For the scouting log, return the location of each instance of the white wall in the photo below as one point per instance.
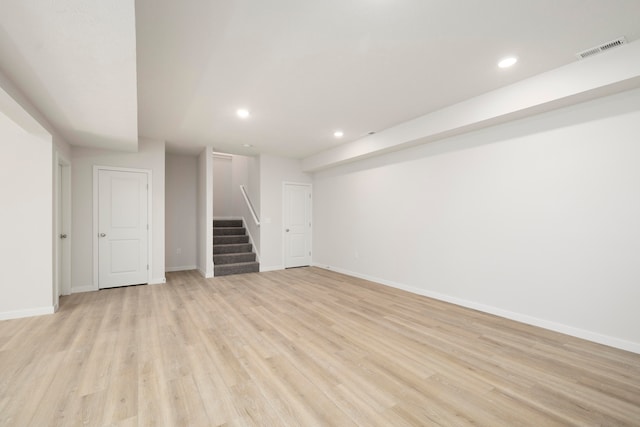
(274, 171)
(239, 176)
(253, 181)
(24, 114)
(26, 197)
(181, 179)
(204, 233)
(253, 191)
(151, 156)
(537, 220)
(222, 186)
(230, 171)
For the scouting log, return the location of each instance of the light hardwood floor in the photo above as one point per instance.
(301, 347)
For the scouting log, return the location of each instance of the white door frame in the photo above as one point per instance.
(62, 225)
(284, 249)
(96, 259)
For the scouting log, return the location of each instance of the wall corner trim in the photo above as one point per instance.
(204, 274)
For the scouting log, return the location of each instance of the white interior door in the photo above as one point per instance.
(65, 234)
(297, 225)
(122, 228)
(62, 231)
(61, 235)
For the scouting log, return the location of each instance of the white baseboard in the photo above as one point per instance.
(518, 317)
(204, 274)
(80, 289)
(270, 268)
(158, 281)
(30, 312)
(181, 268)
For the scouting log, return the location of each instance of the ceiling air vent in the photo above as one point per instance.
(605, 46)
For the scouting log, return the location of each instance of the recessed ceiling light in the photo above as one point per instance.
(247, 145)
(243, 113)
(507, 62)
(338, 134)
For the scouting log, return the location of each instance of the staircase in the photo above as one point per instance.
(232, 252)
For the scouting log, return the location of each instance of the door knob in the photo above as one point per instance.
(63, 236)
(103, 235)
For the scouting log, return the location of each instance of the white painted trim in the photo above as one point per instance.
(204, 274)
(226, 218)
(306, 184)
(208, 206)
(158, 281)
(81, 289)
(30, 312)
(518, 317)
(180, 268)
(264, 269)
(149, 173)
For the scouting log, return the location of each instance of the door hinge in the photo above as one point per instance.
(147, 266)
(147, 186)
(147, 226)
(309, 253)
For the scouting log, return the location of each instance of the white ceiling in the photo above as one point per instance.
(304, 68)
(76, 61)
